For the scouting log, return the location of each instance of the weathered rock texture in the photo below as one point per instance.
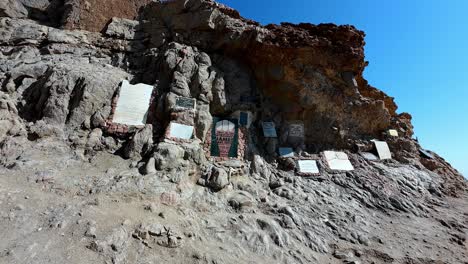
(72, 188)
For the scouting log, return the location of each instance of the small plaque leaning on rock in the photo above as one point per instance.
(308, 167)
(286, 152)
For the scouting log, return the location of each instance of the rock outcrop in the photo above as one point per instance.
(61, 65)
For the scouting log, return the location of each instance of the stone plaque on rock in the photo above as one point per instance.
(224, 138)
(383, 150)
(296, 130)
(393, 133)
(286, 152)
(269, 130)
(338, 161)
(133, 104)
(180, 131)
(308, 167)
(185, 103)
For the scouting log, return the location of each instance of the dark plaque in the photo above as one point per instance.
(185, 103)
(243, 118)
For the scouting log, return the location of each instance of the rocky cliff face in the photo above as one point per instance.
(61, 64)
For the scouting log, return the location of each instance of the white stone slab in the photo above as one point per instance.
(393, 133)
(383, 150)
(338, 161)
(177, 130)
(269, 129)
(133, 104)
(308, 166)
(286, 152)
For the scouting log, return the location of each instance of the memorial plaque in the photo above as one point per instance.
(244, 118)
(393, 133)
(185, 103)
(296, 130)
(224, 138)
(286, 152)
(308, 166)
(269, 130)
(383, 150)
(338, 161)
(180, 131)
(133, 104)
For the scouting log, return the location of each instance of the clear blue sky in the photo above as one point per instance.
(418, 53)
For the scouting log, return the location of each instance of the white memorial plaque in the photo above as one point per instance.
(338, 161)
(383, 150)
(133, 104)
(177, 130)
(308, 166)
(286, 152)
(296, 130)
(269, 129)
(393, 133)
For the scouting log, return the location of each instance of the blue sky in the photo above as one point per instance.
(418, 53)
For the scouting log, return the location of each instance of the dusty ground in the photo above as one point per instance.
(59, 206)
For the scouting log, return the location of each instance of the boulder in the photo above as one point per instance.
(140, 144)
(218, 179)
(169, 156)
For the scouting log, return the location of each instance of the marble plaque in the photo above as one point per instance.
(286, 152)
(185, 103)
(248, 99)
(180, 131)
(383, 150)
(296, 130)
(133, 104)
(338, 161)
(269, 130)
(308, 166)
(393, 133)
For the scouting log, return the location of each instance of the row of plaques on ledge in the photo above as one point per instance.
(337, 161)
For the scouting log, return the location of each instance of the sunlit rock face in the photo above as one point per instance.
(248, 143)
